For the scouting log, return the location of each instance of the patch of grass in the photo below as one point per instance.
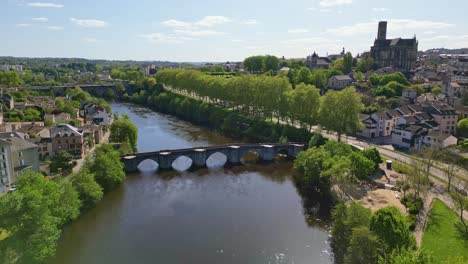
(443, 237)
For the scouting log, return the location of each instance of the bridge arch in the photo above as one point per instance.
(216, 160)
(148, 165)
(182, 163)
(250, 156)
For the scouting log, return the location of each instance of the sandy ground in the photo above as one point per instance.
(380, 198)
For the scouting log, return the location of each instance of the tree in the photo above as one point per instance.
(374, 155)
(462, 127)
(33, 215)
(406, 256)
(123, 130)
(365, 64)
(88, 189)
(272, 63)
(461, 203)
(347, 62)
(345, 219)
(61, 161)
(363, 247)
(339, 111)
(361, 167)
(359, 76)
(120, 88)
(107, 167)
(436, 90)
(254, 63)
(390, 226)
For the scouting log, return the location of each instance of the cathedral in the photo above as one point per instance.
(399, 53)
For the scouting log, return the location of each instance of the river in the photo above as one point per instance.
(244, 214)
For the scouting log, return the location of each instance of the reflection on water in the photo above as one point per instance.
(241, 214)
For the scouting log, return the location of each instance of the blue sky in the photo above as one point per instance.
(216, 30)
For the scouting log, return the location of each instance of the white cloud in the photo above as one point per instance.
(54, 28)
(89, 23)
(176, 23)
(238, 40)
(39, 4)
(164, 38)
(429, 32)
(23, 25)
(250, 22)
(210, 21)
(40, 19)
(325, 10)
(311, 8)
(298, 31)
(394, 25)
(207, 21)
(380, 9)
(330, 3)
(197, 33)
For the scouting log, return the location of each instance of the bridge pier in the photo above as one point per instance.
(165, 161)
(267, 152)
(234, 155)
(199, 158)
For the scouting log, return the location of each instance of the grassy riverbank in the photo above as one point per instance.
(442, 237)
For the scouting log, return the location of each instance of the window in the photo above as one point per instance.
(22, 162)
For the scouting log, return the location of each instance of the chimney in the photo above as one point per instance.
(382, 33)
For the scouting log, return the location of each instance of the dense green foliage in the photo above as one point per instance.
(391, 227)
(107, 167)
(123, 130)
(262, 63)
(339, 111)
(89, 191)
(359, 236)
(264, 97)
(332, 163)
(61, 162)
(442, 238)
(33, 216)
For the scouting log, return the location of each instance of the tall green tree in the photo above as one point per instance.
(89, 191)
(123, 130)
(107, 167)
(33, 216)
(339, 111)
(364, 247)
(391, 227)
(347, 62)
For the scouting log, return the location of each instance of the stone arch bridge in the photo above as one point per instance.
(200, 155)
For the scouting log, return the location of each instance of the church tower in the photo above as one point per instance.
(382, 32)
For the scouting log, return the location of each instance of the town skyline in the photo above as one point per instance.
(210, 32)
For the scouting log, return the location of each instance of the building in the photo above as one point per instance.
(404, 136)
(370, 129)
(399, 53)
(67, 138)
(315, 62)
(445, 115)
(6, 166)
(339, 82)
(7, 101)
(18, 68)
(16, 156)
(59, 118)
(386, 122)
(436, 140)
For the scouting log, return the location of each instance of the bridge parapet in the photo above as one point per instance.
(200, 155)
